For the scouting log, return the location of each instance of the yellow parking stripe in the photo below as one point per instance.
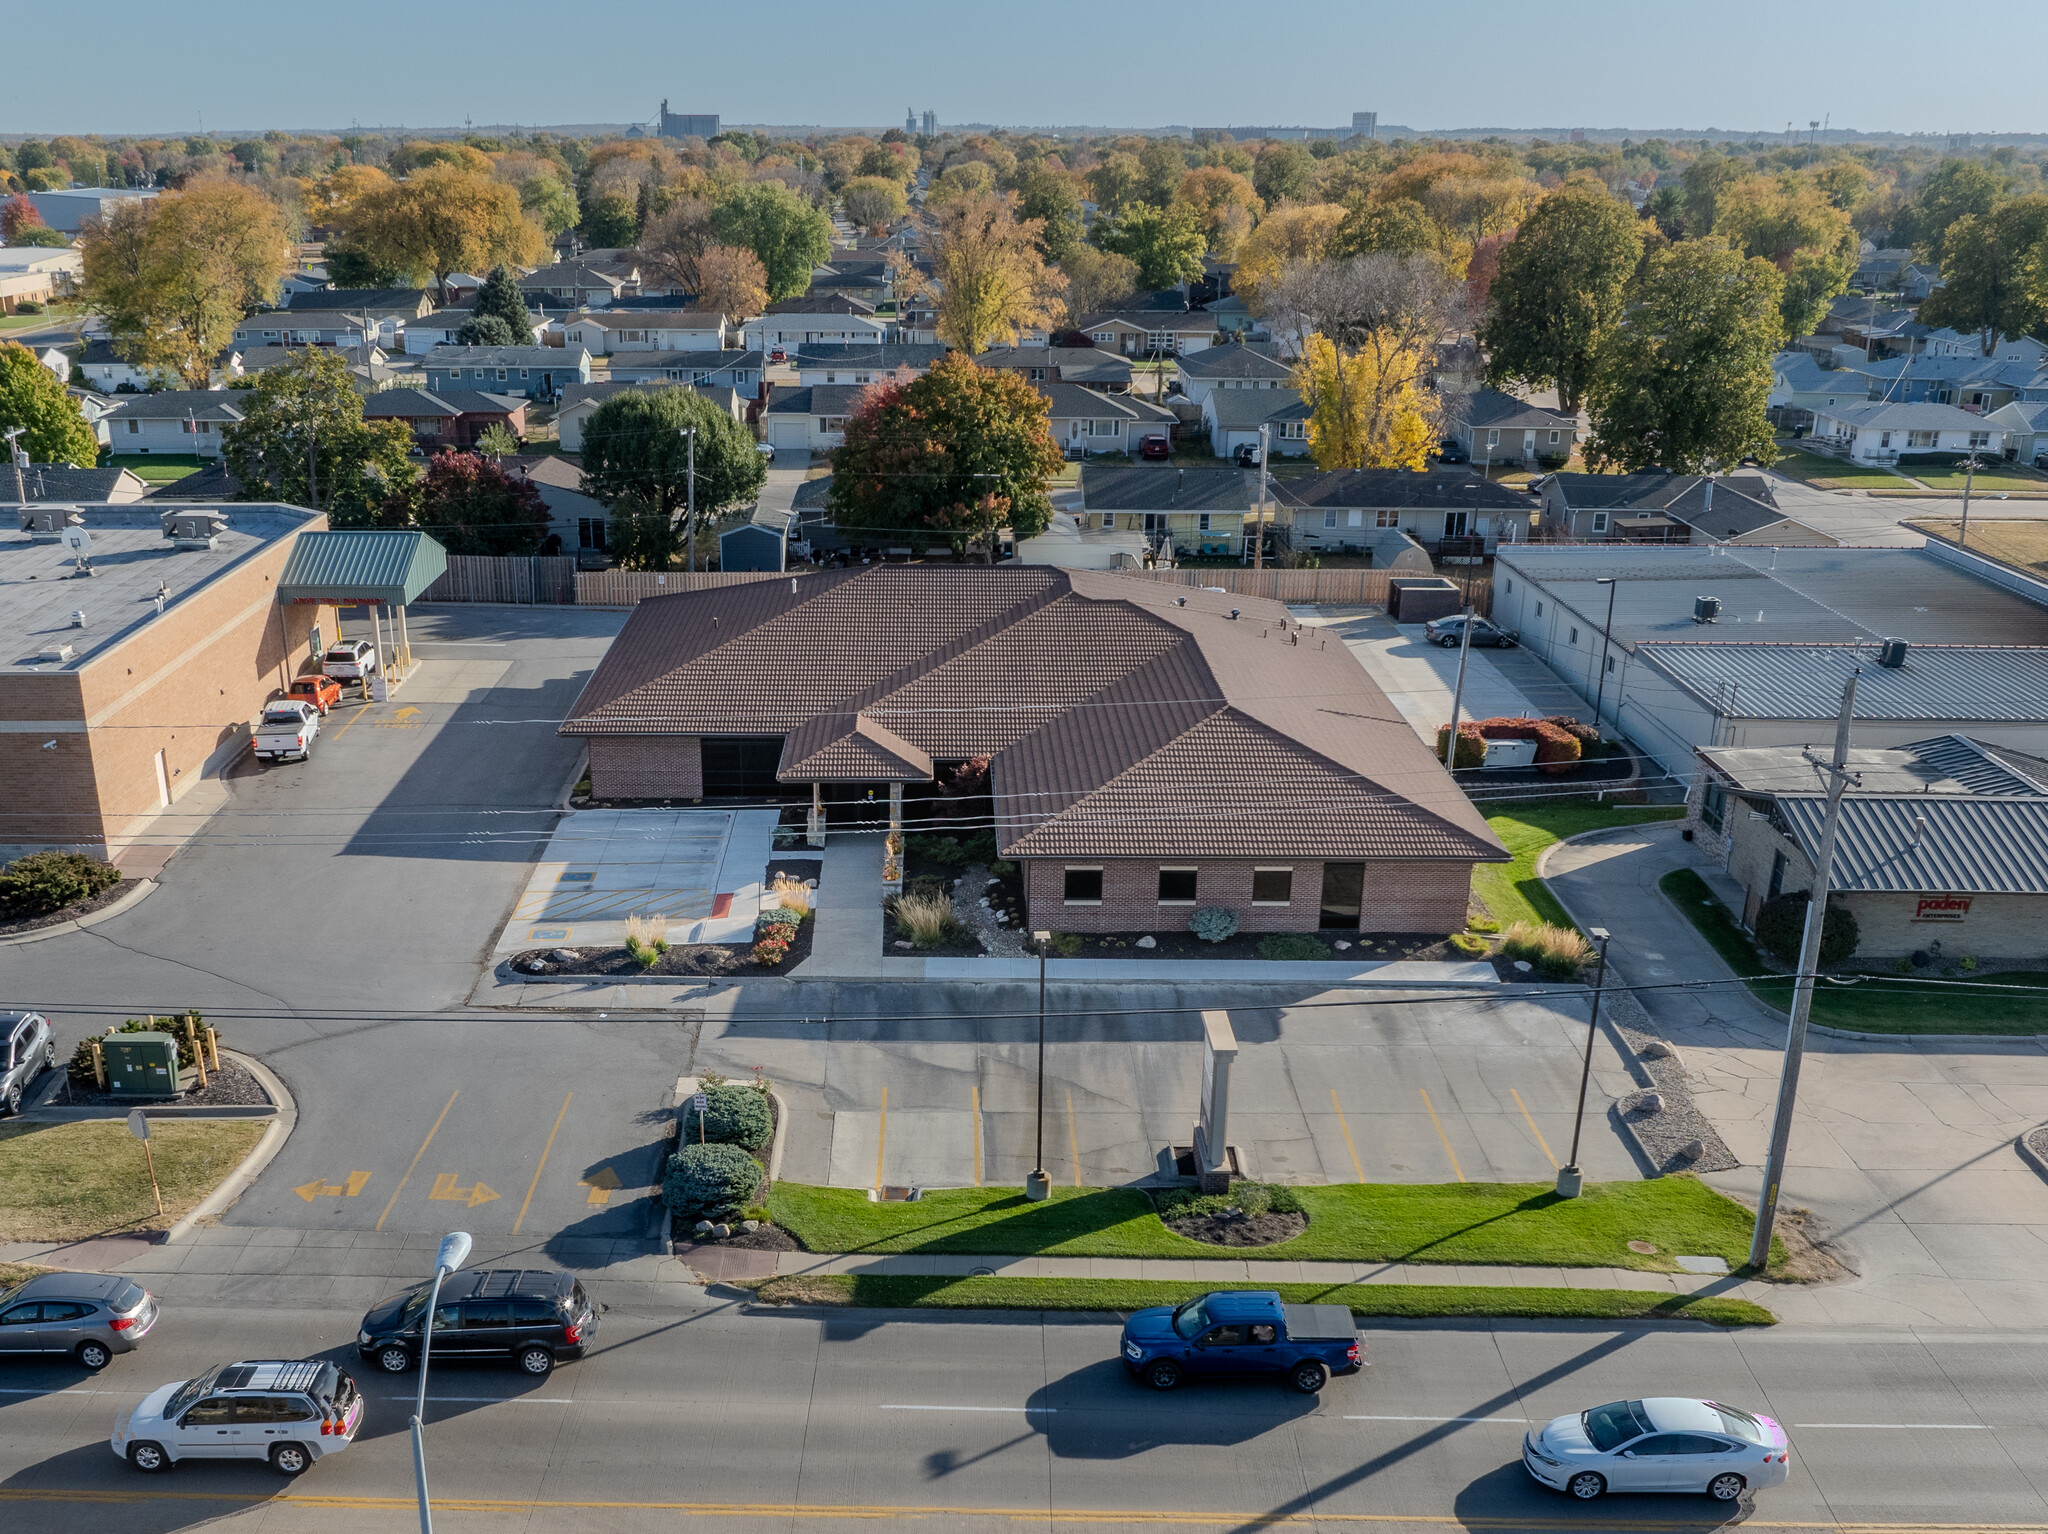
(1517, 1096)
(1356, 1166)
(416, 1158)
(1456, 1170)
(542, 1167)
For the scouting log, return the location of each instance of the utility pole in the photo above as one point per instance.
(1969, 478)
(1259, 546)
(1839, 779)
(691, 433)
(14, 455)
(1571, 1179)
(1458, 692)
(1600, 695)
(312, 482)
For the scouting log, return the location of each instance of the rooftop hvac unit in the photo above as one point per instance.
(57, 654)
(46, 524)
(195, 529)
(1892, 653)
(1706, 609)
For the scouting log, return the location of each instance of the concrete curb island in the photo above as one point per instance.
(260, 1155)
(144, 888)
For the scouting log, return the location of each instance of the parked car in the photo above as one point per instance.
(351, 660)
(1449, 632)
(29, 1051)
(1663, 1443)
(1240, 1332)
(2041, 460)
(1246, 456)
(288, 1411)
(322, 691)
(1451, 450)
(1155, 444)
(778, 355)
(766, 450)
(528, 1315)
(287, 730)
(91, 1316)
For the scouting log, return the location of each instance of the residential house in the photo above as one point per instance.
(735, 369)
(106, 373)
(1235, 418)
(1973, 381)
(837, 364)
(38, 274)
(305, 280)
(1662, 507)
(848, 275)
(1232, 365)
(454, 420)
(370, 368)
(2025, 425)
(174, 421)
(810, 419)
(1800, 386)
(1167, 773)
(95, 407)
(401, 303)
(68, 209)
(1498, 428)
(442, 326)
(1087, 421)
(1193, 511)
(579, 400)
(576, 522)
(1151, 332)
(309, 327)
(1881, 269)
(1088, 366)
(648, 330)
(1868, 432)
(795, 323)
(537, 372)
(70, 484)
(1067, 545)
(574, 285)
(1234, 319)
(1396, 516)
(57, 362)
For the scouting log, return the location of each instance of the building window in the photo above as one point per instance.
(1177, 886)
(1777, 875)
(832, 423)
(1109, 521)
(1575, 636)
(1599, 521)
(1330, 518)
(134, 426)
(1980, 439)
(1083, 886)
(1272, 886)
(1104, 428)
(1202, 523)
(1714, 805)
(1386, 519)
(1354, 519)
(1511, 583)
(590, 533)
(1102, 335)
(1921, 438)
(1554, 436)
(1493, 439)
(1539, 609)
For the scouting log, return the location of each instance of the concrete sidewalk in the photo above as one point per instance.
(1903, 1148)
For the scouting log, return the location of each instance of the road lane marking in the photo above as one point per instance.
(523, 1203)
(1942, 1427)
(446, 1191)
(367, 706)
(970, 1408)
(319, 1188)
(1456, 1170)
(416, 1159)
(1517, 1096)
(602, 1183)
(974, 1092)
(881, 1139)
(497, 1400)
(1073, 1141)
(1356, 1165)
(1522, 1421)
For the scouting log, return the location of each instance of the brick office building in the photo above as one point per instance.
(109, 716)
(1153, 750)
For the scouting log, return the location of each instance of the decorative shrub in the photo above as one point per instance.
(42, 882)
(1465, 942)
(733, 1115)
(1781, 924)
(927, 920)
(942, 850)
(1247, 1198)
(1585, 734)
(1291, 945)
(705, 1180)
(1557, 952)
(1557, 749)
(1066, 944)
(80, 1067)
(794, 894)
(1471, 745)
(1002, 868)
(1212, 924)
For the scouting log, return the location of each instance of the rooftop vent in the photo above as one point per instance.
(1892, 653)
(195, 529)
(46, 524)
(1706, 609)
(58, 653)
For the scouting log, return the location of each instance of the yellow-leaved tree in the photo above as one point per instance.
(444, 219)
(1368, 407)
(990, 277)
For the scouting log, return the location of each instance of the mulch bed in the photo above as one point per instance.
(1267, 1229)
(769, 1238)
(1366, 947)
(715, 960)
(11, 925)
(232, 1086)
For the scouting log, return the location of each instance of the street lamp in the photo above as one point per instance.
(454, 1248)
(1569, 1178)
(1038, 1185)
(1600, 695)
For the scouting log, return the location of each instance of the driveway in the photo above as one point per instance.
(1902, 1148)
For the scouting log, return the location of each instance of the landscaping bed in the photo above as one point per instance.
(12, 926)
(234, 1085)
(888, 1291)
(43, 889)
(1345, 947)
(64, 1182)
(1511, 891)
(716, 960)
(727, 1131)
(1250, 1214)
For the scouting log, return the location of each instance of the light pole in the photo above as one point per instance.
(1600, 693)
(1569, 1178)
(1969, 478)
(1038, 1185)
(454, 1248)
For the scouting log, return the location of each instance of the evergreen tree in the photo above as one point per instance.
(500, 296)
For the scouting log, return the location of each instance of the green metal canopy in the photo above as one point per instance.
(361, 566)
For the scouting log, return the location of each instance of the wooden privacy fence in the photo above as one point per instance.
(494, 578)
(628, 588)
(1334, 588)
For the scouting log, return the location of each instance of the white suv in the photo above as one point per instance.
(290, 1412)
(350, 660)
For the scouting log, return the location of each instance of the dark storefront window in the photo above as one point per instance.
(1177, 886)
(1343, 895)
(743, 767)
(1083, 886)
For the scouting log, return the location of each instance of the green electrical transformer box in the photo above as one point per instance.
(142, 1064)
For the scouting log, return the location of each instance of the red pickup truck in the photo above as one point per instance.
(323, 692)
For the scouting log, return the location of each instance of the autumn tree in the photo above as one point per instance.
(676, 238)
(636, 447)
(472, 504)
(1097, 280)
(1396, 226)
(1478, 206)
(731, 280)
(991, 280)
(1682, 379)
(1294, 233)
(1957, 189)
(444, 219)
(53, 427)
(787, 234)
(873, 202)
(1559, 291)
(1368, 408)
(174, 274)
(953, 456)
(1284, 173)
(1117, 182)
(302, 438)
(1050, 197)
(18, 215)
(1166, 244)
(1793, 224)
(1224, 205)
(549, 202)
(1994, 269)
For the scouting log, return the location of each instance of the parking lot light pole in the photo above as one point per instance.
(1569, 1178)
(1038, 1185)
(454, 1249)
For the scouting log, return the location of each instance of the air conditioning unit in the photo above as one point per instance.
(195, 529)
(46, 524)
(1706, 609)
(57, 654)
(1892, 653)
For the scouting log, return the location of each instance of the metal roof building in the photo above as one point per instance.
(362, 566)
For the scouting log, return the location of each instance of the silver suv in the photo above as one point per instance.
(91, 1316)
(28, 1052)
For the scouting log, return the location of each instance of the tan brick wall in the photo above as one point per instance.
(646, 767)
(1401, 895)
(1997, 926)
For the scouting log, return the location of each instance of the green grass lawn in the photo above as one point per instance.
(896, 1291)
(2005, 476)
(50, 315)
(1836, 474)
(61, 1182)
(1518, 1223)
(158, 468)
(1876, 1003)
(1511, 891)
(12, 1273)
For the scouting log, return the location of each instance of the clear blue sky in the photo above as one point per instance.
(141, 66)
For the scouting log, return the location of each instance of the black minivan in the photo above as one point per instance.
(526, 1314)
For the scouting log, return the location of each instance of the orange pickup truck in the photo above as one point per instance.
(323, 692)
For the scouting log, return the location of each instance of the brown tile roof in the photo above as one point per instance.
(1125, 718)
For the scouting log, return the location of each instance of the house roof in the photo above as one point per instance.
(447, 356)
(67, 482)
(1491, 409)
(697, 361)
(818, 399)
(1076, 364)
(2006, 684)
(1399, 488)
(361, 565)
(2022, 415)
(1191, 321)
(1942, 764)
(1124, 717)
(402, 300)
(1241, 409)
(653, 319)
(1233, 360)
(413, 404)
(573, 274)
(1137, 487)
(1071, 400)
(1874, 415)
(886, 356)
(822, 303)
(1658, 488)
(1954, 844)
(175, 404)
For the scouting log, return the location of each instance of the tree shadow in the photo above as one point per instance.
(1509, 1497)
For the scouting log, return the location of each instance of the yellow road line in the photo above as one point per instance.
(541, 1168)
(1356, 1166)
(352, 723)
(1205, 1518)
(1517, 1096)
(1456, 1170)
(1073, 1140)
(975, 1091)
(881, 1138)
(416, 1158)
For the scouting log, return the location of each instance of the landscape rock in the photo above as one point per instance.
(536, 967)
(750, 1226)
(1342, 945)
(1148, 941)
(902, 943)
(703, 1227)
(721, 1230)
(1693, 1149)
(1657, 1049)
(565, 956)
(1524, 965)
(1651, 1102)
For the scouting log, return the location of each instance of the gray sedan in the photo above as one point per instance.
(26, 1051)
(91, 1316)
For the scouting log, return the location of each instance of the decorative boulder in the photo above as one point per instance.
(1148, 941)
(1651, 1102)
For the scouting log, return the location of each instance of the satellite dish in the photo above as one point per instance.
(77, 539)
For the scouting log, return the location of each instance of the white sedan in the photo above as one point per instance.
(1665, 1443)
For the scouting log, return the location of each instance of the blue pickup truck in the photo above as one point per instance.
(1241, 1332)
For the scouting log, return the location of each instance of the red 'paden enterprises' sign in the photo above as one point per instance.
(1942, 908)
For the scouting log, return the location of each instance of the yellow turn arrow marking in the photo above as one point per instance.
(445, 1189)
(309, 1191)
(407, 713)
(601, 1183)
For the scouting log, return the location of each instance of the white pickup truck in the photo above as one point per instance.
(286, 730)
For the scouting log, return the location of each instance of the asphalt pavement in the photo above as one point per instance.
(726, 1417)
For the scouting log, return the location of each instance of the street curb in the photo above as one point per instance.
(2027, 1153)
(144, 888)
(569, 788)
(265, 1150)
(781, 1139)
